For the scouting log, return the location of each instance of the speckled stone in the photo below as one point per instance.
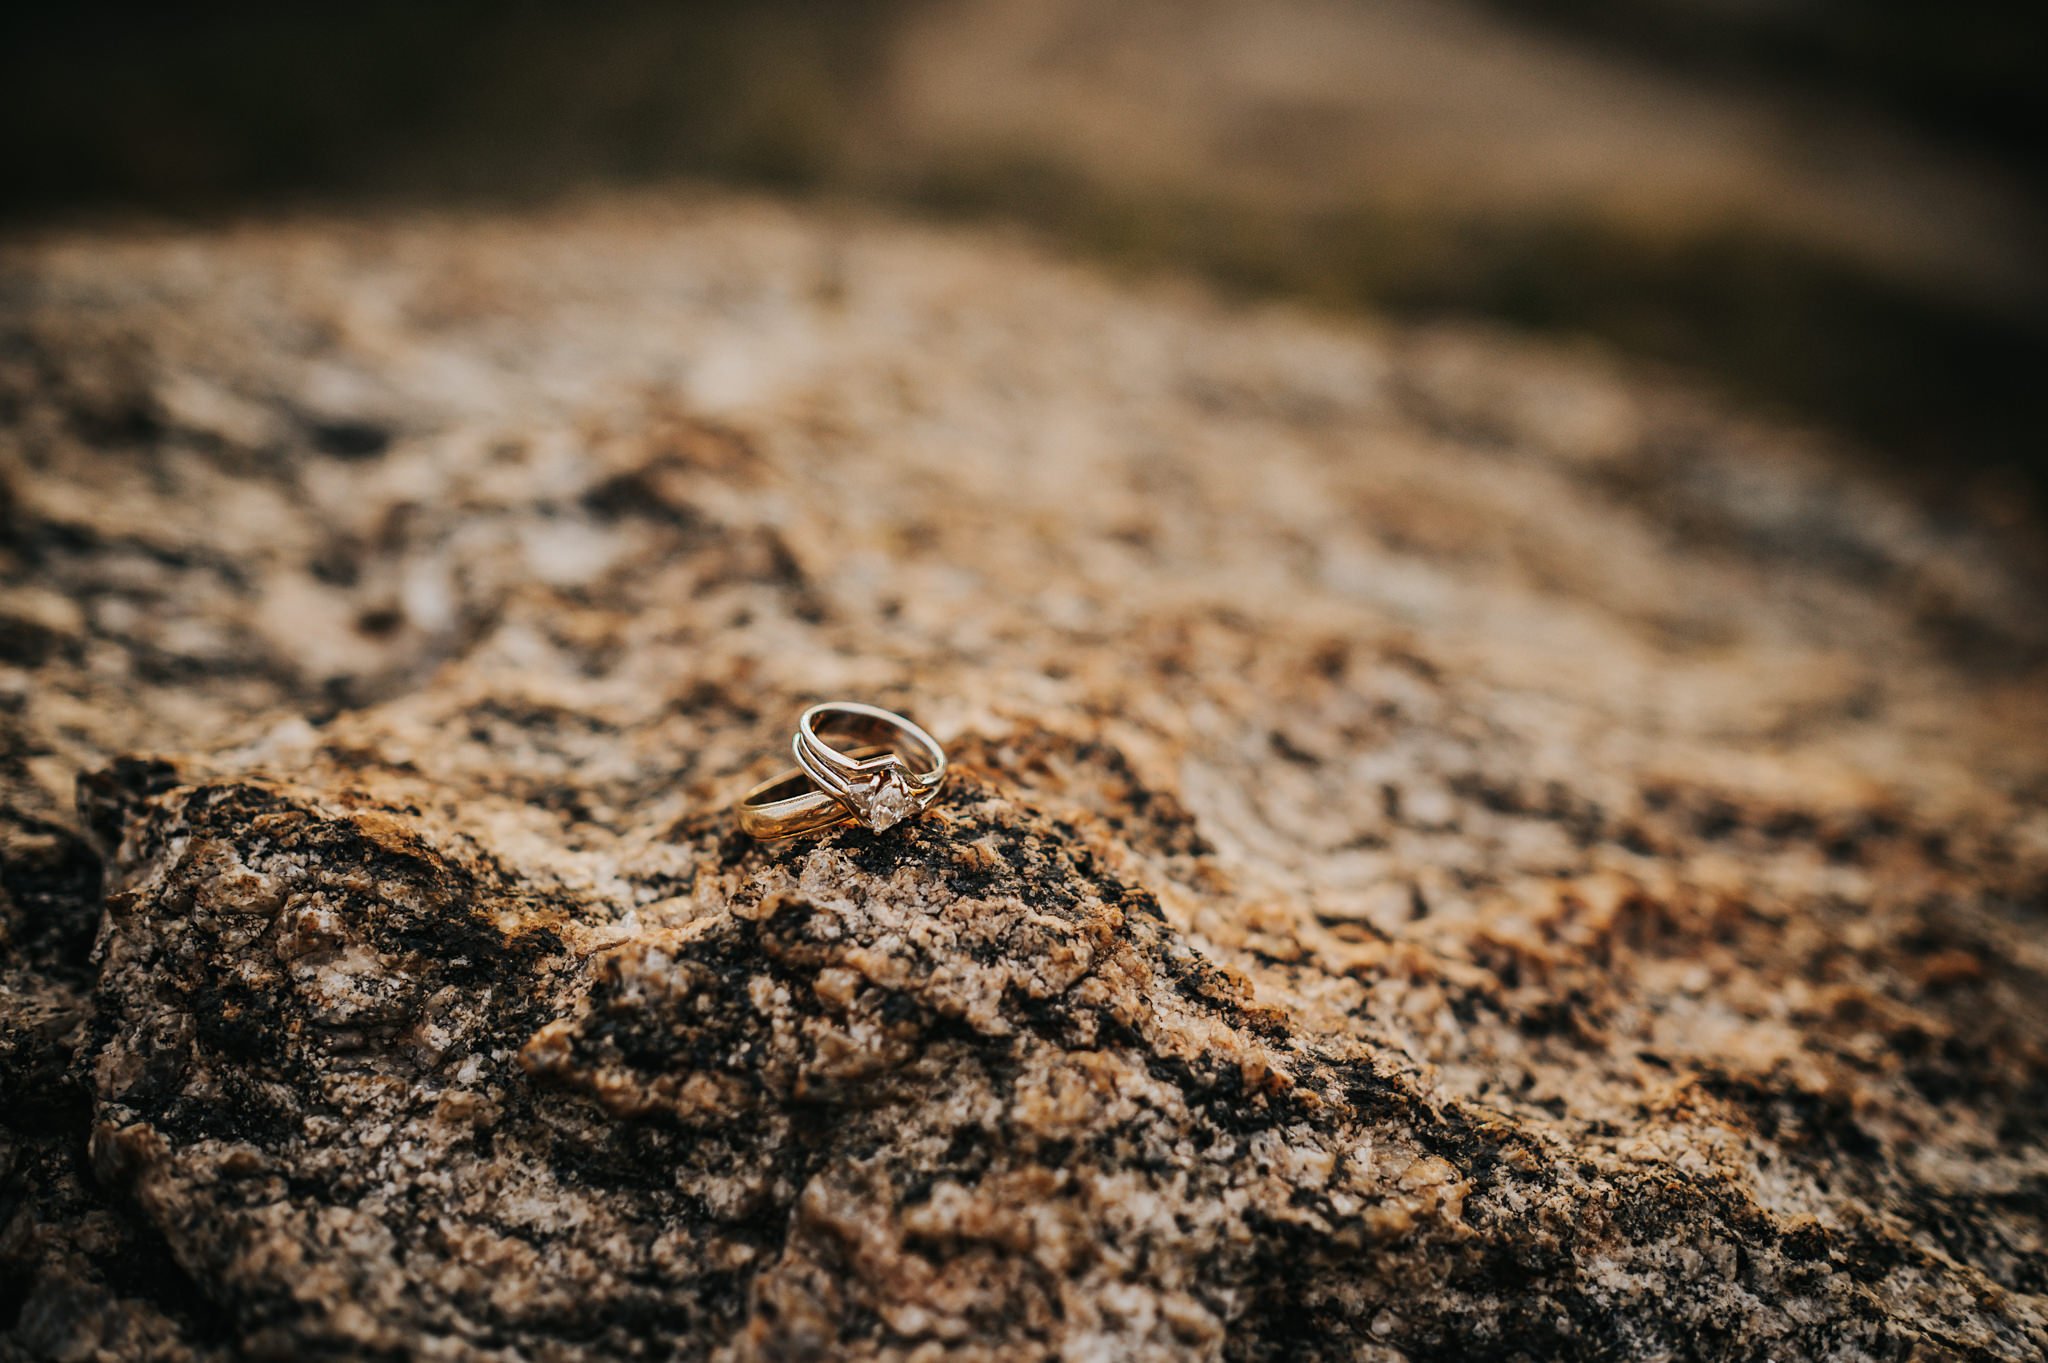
(1456, 849)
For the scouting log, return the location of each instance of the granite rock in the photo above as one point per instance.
(1457, 849)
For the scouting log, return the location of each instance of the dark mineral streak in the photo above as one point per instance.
(1457, 850)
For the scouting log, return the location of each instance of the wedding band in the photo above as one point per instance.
(787, 806)
(892, 770)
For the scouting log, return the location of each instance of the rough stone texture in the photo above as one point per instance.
(1457, 850)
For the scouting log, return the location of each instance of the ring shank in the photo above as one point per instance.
(876, 736)
(787, 817)
(836, 771)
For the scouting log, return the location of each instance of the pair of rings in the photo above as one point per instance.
(888, 770)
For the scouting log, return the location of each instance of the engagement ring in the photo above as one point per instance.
(888, 770)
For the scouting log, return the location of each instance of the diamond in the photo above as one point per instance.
(884, 802)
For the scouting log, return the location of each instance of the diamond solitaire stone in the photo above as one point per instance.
(885, 801)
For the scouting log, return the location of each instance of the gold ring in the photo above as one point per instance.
(892, 770)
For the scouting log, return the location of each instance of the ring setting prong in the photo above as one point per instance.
(883, 800)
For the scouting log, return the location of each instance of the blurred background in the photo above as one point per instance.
(1832, 208)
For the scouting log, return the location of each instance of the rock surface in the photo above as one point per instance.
(1456, 850)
